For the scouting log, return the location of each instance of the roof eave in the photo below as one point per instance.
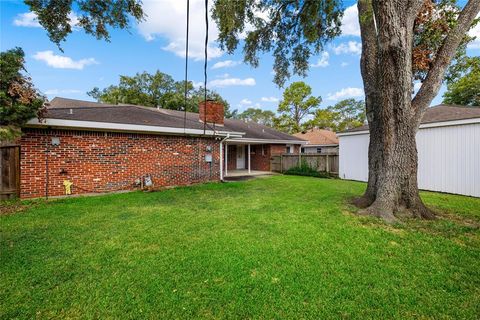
(122, 127)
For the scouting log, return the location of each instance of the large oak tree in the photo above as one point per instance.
(394, 35)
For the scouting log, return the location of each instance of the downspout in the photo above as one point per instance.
(221, 156)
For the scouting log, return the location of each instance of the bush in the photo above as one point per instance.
(305, 170)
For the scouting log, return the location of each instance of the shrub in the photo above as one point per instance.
(305, 170)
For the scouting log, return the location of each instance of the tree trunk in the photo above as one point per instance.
(393, 117)
(387, 74)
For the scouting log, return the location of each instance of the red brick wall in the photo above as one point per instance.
(214, 112)
(258, 161)
(102, 162)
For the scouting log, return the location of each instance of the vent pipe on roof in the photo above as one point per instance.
(71, 111)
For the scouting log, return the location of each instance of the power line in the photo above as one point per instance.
(186, 69)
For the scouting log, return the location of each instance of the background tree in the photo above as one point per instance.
(297, 103)
(94, 17)
(156, 90)
(465, 88)
(344, 115)
(19, 100)
(391, 33)
(265, 117)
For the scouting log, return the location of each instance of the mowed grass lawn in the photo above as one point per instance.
(273, 248)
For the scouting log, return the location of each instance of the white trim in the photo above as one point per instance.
(266, 141)
(423, 126)
(122, 127)
(248, 152)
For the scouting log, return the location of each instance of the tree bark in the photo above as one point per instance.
(386, 66)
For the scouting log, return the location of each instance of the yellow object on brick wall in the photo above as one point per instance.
(68, 186)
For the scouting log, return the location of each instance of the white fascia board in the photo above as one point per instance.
(122, 127)
(423, 126)
(266, 141)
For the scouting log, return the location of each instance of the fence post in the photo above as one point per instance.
(281, 163)
(328, 165)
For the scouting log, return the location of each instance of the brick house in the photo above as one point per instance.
(103, 148)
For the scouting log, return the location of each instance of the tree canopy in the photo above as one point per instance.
(344, 115)
(156, 90)
(465, 88)
(265, 117)
(296, 105)
(95, 17)
(19, 100)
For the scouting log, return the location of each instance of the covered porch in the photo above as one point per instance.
(251, 158)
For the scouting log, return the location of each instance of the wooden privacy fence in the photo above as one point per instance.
(9, 171)
(320, 162)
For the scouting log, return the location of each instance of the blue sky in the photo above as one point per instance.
(158, 43)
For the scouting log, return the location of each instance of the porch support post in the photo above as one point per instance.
(226, 159)
(248, 158)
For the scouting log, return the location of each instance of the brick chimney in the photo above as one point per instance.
(214, 112)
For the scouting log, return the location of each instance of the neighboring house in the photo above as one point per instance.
(101, 148)
(319, 141)
(448, 144)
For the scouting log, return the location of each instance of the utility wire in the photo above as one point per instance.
(205, 68)
(186, 69)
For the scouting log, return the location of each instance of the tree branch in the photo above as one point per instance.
(368, 62)
(433, 81)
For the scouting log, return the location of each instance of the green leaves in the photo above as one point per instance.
(95, 17)
(346, 114)
(257, 115)
(293, 30)
(158, 89)
(19, 100)
(464, 89)
(297, 103)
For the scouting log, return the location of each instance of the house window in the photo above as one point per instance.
(263, 150)
(302, 150)
(319, 150)
(289, 149)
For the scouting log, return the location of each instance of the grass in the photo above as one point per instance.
(273, 248)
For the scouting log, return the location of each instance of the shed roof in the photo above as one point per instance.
(441, 113)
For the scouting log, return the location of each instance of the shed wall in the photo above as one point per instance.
(448, 158)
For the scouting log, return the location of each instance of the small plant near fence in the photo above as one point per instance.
(306, 170)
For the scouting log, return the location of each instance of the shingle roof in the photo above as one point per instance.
(441, 113)
(317, 136)
(70, 109)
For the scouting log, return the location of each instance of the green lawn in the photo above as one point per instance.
(273, 248)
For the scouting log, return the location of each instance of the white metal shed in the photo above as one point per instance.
(448, 144)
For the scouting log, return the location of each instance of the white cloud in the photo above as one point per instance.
(62, 91)
(353, 47)
(225, 82)
(225, 64)
(344, 64)
(322, 62)
(27, 19)
(475, 32)
(350, 24)
(269, 99)
(167, 18)
(30, 19)
(346, 93)
(245, 102)
(62, 62)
